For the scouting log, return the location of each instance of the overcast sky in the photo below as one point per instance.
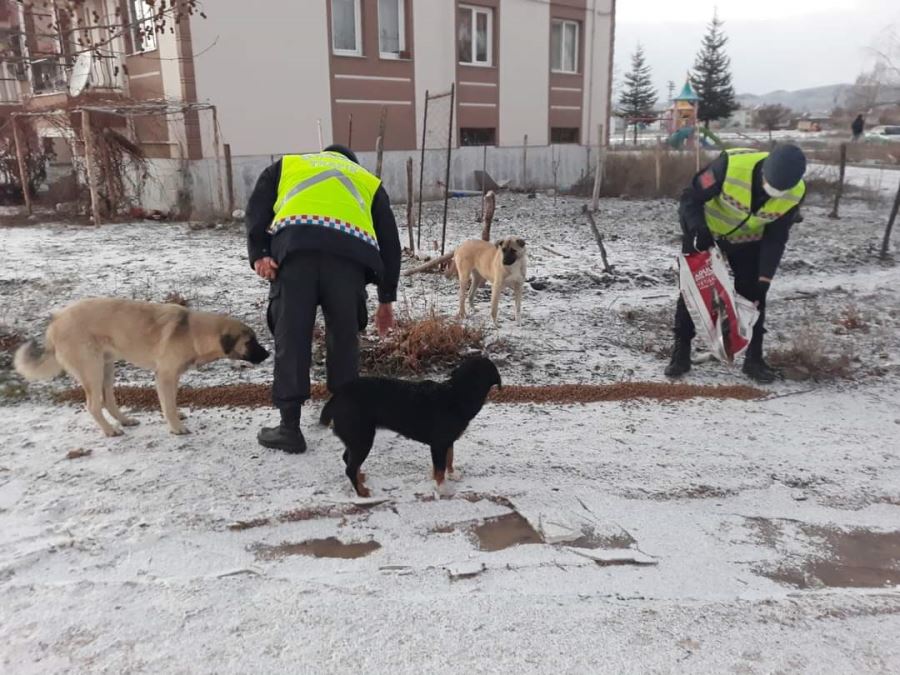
(773, 44)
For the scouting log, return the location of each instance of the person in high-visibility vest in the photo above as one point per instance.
(745, 202)
(319, 229)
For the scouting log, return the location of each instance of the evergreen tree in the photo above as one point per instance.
(712, 75)
(638, 96)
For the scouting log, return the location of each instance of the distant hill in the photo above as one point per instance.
(812, 100)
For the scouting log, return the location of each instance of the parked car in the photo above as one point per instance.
(885, 132)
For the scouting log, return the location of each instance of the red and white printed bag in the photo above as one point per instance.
(723, 319)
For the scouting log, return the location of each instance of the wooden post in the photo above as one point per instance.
(525, 163)
(229, 177)
(350, 130)
(488, 205)
(840, 187)
(319, 132)
(409, 204)
(217, 142)
(697, 145)
(88, 135)
(598, 237)
(447, 172)
(23, 166)
(379, 155)
(598, 176)
(885, 244)
(422, 174)
(483, 176)
(657, 152)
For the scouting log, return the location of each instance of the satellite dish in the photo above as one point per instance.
(81, 73)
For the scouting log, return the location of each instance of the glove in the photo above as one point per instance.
(704, 240)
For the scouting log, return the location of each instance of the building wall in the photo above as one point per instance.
(271, 97)
(524, 72)
(266, 70)
(599, 36)
(364, 86)
(435, 62)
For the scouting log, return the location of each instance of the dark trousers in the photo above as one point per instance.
(305, 281)
(744, 262)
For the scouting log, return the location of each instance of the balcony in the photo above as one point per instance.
(51, 76)
(10, 87)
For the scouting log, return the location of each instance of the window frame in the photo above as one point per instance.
(135, 33)
(401, 20)
(357, 25)
(474, 10)
(562, 46)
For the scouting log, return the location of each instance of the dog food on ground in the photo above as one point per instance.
(259, 395)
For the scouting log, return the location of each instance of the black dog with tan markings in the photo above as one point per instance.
(433, 413)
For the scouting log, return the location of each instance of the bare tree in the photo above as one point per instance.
(772, 116)
(80, 26)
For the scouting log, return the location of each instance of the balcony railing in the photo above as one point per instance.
(51, 75)
(10, 89)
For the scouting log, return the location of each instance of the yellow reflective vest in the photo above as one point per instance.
(728, 216)
(326, 190)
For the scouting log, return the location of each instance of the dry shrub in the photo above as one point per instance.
(634, 174)
(9, 340)
(807, 359)
(851, 319)
(417, 346)
(175, 298)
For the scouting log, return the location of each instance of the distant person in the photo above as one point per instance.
(857, 127)
(319, 228)
(746, 202)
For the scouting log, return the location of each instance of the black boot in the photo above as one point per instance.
(681, 359)
(286, 436)
(756, 368)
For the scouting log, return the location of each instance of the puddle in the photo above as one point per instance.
(318, 548)
(851, 559)
(496, 534)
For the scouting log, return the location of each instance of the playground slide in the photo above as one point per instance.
(707, 138)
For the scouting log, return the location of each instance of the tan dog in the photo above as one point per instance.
(502, 263)
(86, 339)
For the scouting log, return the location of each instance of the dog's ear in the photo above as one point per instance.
(227, 342)
(521, 243)
(499, 243)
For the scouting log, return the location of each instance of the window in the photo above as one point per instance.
(141, 26)
(564, 47)
(476, 136)
(474, 35)
(391, 29)
(346, 32)
(564, 134)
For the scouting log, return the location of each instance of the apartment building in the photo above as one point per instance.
(284, 74)
(132, 65)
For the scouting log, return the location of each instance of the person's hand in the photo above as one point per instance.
(384, 318)
(266, 268)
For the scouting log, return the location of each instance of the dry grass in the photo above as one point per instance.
(807, 359)
(418, 346)
(175, 298)
(633, 175)
(851, 319)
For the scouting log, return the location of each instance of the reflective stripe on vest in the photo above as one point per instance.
(728, 216)
(326, 190)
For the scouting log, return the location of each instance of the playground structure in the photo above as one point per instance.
(681, 122)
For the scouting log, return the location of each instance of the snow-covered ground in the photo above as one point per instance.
(700, 536)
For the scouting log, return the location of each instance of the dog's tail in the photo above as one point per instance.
(326, 416)
(36, 363)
